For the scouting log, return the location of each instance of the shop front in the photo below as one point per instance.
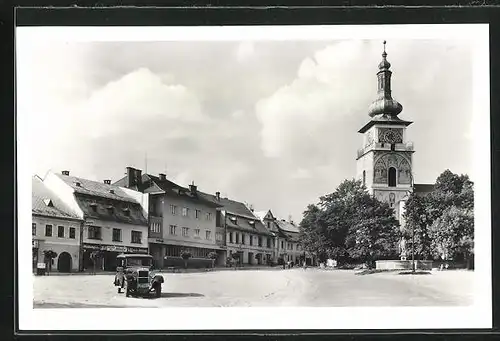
(107, 255)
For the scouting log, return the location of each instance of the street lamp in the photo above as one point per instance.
(412, 230)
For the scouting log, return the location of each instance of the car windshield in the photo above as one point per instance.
(138, 262)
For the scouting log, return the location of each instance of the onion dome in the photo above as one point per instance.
(384, 64)
(384, 105)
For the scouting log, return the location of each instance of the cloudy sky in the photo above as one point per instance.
(273, 124)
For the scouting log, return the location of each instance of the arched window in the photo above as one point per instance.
(364, 178)
(392, 177)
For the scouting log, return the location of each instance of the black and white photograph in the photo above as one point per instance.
(279, 177)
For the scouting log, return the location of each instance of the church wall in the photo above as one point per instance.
(365, 163)
(399, 194)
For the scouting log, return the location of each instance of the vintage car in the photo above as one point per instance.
(134, 273)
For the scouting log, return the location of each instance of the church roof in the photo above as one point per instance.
(423, 189)
(387, 120)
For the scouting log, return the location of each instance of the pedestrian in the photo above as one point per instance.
(120, 279)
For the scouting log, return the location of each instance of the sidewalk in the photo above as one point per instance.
(55, 273)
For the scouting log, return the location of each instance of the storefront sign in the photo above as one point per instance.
(115, 248)
(137, 250)
(92, 246)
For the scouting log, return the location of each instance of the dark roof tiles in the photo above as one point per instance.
(96, 189)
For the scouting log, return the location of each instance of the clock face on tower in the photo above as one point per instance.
(390, 136)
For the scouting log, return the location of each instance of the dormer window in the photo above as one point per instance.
(93, 205)
(234, 220)
(251, 222)
(112, 191)
(110, 209)
(48, 202)
(78, 184)
(126, 211)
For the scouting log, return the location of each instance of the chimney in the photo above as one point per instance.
(130, 177)
(217, 196)
(65, 173)
(163, 177)
(192, 188)
(138, 177)
(107, 182)
(251, 208)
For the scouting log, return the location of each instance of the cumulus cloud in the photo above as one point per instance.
(312, 121)
(124, 104)
(326, 90)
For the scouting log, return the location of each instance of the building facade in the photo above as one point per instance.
(290, 247)
(384, 164)
(54, 227)
(287, 246)
(113, 221)
(245, 234)
(180, 218)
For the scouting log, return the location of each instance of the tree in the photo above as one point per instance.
(449, 207)
(312, 232)
(236, 258)
(48, 256)
(213, 256)
(453, 234)
(185, 255)
(419, 216)
(349, 224)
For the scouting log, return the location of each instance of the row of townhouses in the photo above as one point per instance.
(149, 214)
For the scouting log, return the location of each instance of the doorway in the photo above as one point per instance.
(64, 262)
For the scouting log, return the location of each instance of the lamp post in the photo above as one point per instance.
(412, 231)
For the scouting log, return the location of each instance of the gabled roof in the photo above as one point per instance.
(96, 189)
(287, 226)
(262, 215)
(105, 202)
(289, 230)
(231, 206)
(153, 184)
(46, 203)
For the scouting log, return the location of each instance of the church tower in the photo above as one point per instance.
(384, 164)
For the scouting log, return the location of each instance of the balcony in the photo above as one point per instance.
(155, 227)
(399, 147)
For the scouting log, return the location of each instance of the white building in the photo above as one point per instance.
(54, 227)
(114, 221)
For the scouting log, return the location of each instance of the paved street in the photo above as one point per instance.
(296, 287)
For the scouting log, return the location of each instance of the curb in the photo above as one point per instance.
(180, 271)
